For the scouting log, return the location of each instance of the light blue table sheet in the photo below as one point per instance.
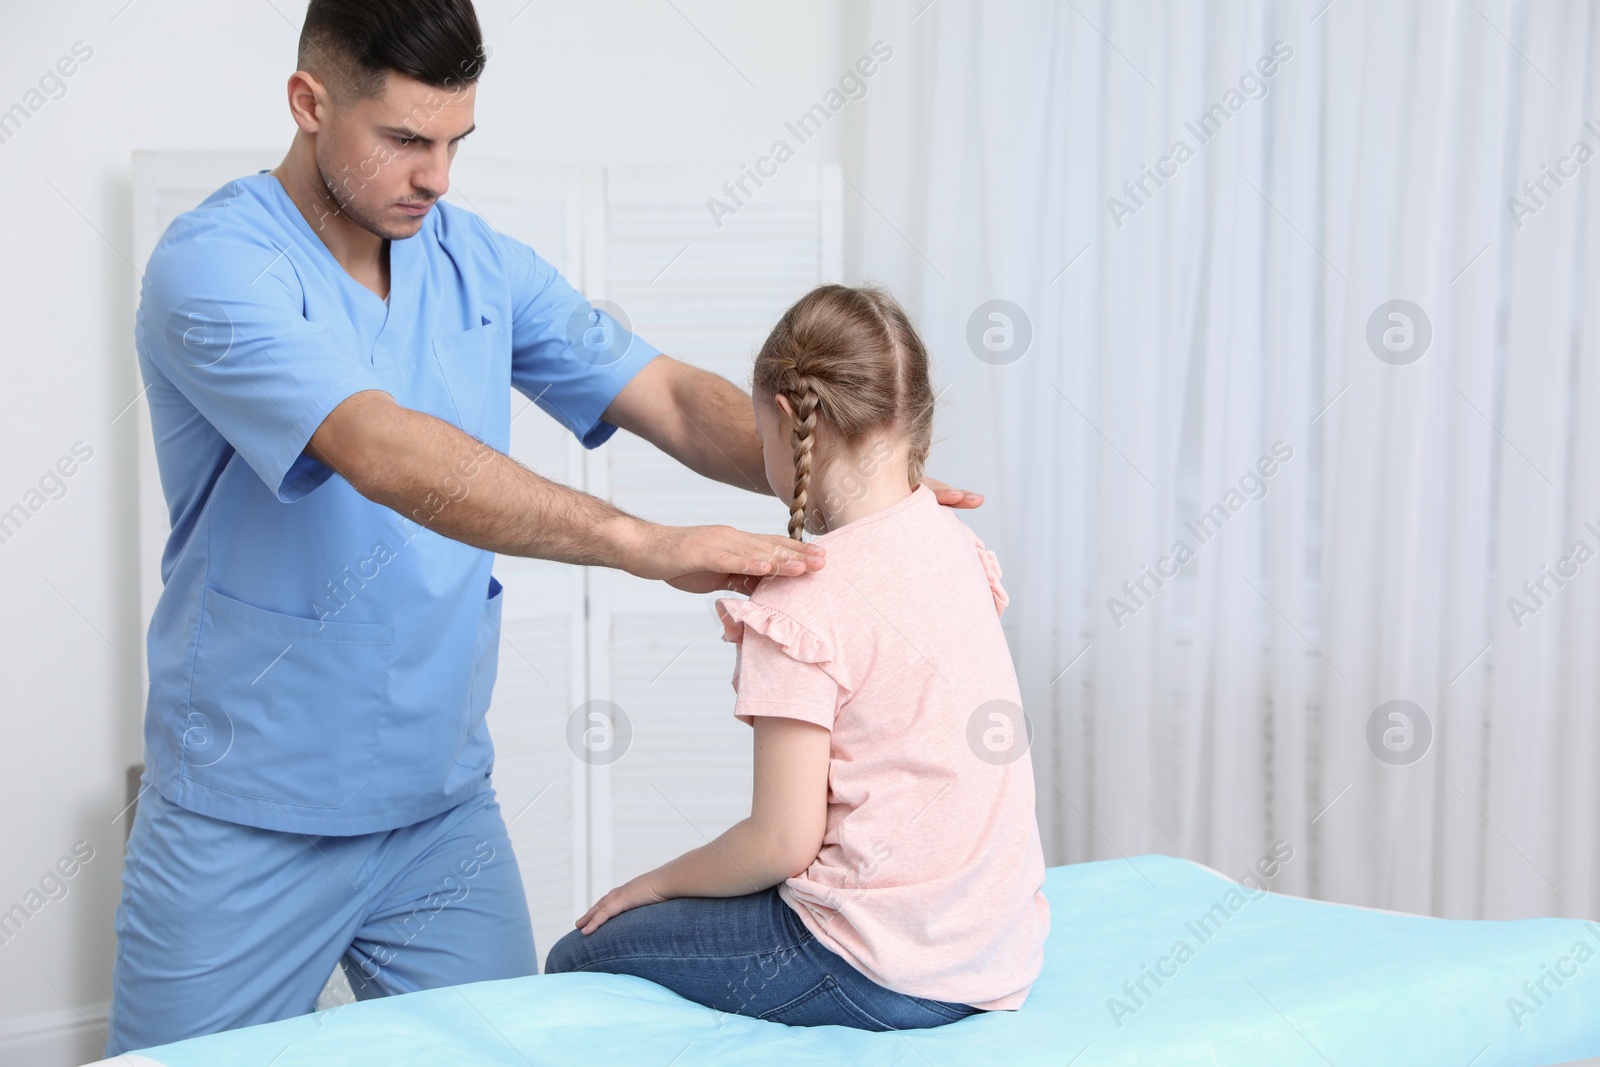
(1276, 982)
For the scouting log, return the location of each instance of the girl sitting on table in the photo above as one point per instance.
(889, 876)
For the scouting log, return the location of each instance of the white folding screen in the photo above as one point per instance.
(540, 786)
(708, 295)
(646, 242)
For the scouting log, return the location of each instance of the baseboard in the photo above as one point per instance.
(68, 1039)
(63, 1038)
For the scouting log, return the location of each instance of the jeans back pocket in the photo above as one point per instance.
(825, 1004)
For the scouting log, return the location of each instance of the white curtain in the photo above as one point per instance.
(1180, 335)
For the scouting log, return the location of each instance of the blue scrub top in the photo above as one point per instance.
(318, 663)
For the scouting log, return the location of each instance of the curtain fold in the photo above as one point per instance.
(1242, 508)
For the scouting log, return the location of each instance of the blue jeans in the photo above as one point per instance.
(749, 955)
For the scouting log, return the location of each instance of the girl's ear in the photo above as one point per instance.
(783, 406)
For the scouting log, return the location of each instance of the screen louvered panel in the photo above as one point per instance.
(707, 296)
(534, 772)
(686, 777)
(540, 786)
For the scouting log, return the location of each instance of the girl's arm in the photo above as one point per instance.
(788, 815)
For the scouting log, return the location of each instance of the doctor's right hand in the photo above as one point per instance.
(705, 559)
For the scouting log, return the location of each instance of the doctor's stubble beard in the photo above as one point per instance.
(352, 211)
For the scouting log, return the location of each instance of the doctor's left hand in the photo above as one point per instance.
(633, 894)
(950, 497)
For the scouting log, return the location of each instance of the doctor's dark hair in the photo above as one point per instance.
(354, 43)
(849, 356)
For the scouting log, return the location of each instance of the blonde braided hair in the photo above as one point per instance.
(803, 434)
(850, 356)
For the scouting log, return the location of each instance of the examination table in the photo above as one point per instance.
(1261, 979)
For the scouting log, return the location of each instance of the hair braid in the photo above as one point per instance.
(851, 359)
(804, 433)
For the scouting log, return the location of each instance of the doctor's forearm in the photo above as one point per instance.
(444, 479)
(718, 438)
(698, 418)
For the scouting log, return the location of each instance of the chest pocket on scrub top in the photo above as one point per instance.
(475, 387)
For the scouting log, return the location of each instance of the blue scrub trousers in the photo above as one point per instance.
(222, 925)
(749, 955)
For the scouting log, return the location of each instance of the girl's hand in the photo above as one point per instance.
(636, 893)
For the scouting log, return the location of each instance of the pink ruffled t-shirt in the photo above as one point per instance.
(930, 879)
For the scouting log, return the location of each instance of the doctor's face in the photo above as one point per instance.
(385, 159)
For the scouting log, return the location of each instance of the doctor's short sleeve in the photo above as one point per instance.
(221, 318)
(567, 356)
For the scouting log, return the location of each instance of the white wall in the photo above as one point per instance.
(571, 81)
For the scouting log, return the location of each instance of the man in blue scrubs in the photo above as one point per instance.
(329, 353)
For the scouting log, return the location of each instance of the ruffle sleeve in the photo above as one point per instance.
(991, 570)
(798, 642)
